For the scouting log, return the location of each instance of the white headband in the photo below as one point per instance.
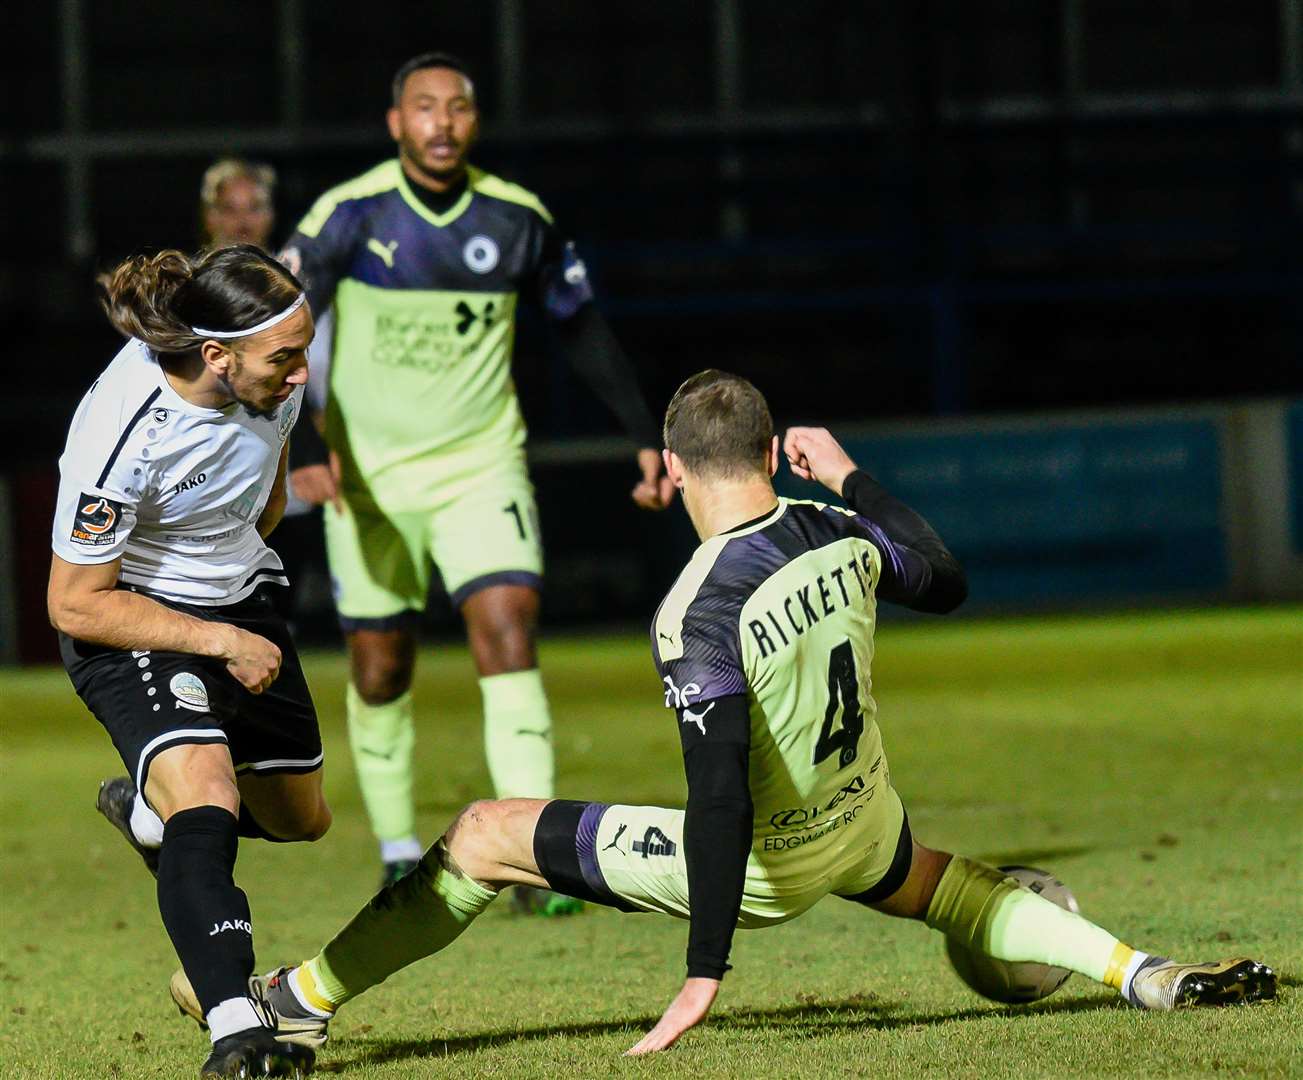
(266, 324)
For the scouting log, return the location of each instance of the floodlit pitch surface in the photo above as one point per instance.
(1154, 761)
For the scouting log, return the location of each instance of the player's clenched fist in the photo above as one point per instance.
(815, 455)
(252, 659)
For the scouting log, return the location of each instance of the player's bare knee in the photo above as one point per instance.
(382, 664)
(381, 679)
(207, 791)
(474, 839)
(502, 644)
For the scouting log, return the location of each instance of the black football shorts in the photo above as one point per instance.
(149, 701)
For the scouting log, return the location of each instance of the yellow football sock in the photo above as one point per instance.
(382, 737)
(985, 911)
(518, 735)
(424, 912)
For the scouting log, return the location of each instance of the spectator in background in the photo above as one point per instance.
(236, 206)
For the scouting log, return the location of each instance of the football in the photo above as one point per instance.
(1000, 980)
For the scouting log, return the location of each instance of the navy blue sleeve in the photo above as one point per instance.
(560, 278)
(319, 257)
(595, 354)
(918, 570)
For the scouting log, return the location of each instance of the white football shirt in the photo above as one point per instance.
(173, 489)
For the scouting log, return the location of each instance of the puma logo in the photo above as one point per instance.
(530, 731)
(616, 842)
(697, 718)
(665, 637)
(385, 251)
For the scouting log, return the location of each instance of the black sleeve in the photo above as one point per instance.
(918, 570)
(594, 353)
(716, 827)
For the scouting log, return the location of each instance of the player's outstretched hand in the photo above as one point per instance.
(655, 491)
(815, 455)
(317, 484)
(252, 659)
(686, 1011)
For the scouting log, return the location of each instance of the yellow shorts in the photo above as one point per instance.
(482, 534)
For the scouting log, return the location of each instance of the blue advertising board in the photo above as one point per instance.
(1065, 514)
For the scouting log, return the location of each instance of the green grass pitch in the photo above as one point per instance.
(1154, 761)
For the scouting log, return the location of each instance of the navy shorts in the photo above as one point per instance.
(149, 701)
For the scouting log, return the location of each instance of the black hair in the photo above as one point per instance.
(429, 60)
(161, 298)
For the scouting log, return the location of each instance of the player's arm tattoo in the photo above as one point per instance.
(716, 827)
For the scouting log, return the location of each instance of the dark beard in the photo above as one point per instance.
(249, 408)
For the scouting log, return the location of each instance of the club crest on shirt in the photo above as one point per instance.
(481, 253)
(190, 691)
(288, 411)
(96, 522)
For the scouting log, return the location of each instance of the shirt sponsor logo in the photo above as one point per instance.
(481, 253)
(800, 817)
(785, 842)
(190, 691)
(676, 698)
(96, 522)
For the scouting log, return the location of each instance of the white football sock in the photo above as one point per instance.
(232, 1015)
(408, 849)
(146, 826)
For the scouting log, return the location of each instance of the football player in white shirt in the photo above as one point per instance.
(173, 475)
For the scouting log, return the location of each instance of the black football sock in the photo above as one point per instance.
(205, 913)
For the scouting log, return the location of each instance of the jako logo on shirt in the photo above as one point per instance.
(481, 254)
(190, 691)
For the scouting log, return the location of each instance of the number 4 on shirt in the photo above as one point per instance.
(843, 698)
